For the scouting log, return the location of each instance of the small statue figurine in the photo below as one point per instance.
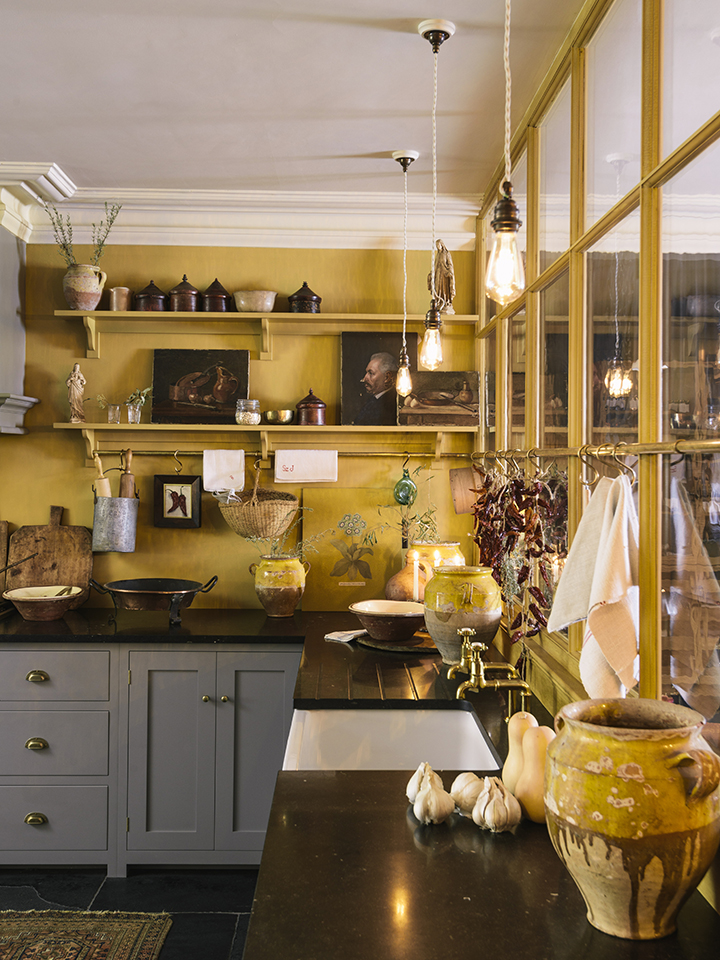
(76, 388)
(444, 278)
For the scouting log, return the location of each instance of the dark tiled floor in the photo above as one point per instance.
(210, 908)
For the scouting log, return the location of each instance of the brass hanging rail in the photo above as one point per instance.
(427, 454)
(606, 449)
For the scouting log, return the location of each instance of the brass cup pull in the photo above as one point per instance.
(35, 819)
(224, 699)
(37, 676)
(37, 743)
(206, 699)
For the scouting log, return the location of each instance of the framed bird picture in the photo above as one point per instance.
(176, 501)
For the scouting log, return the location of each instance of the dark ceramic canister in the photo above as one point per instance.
(304, 300)
(311, 410)
(216, 299)
(151, 298)
(184, 297)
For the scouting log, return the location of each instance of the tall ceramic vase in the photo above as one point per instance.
(458, 597)
(633, 810)
(279, 583)
(83, 286)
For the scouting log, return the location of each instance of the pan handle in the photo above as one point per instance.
(209, 585)
(98, 586)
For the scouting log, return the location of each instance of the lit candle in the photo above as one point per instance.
(438, 559)
(416, 580)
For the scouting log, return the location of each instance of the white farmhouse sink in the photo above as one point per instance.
(387, 740)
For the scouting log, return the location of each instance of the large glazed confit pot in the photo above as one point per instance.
(458, 597)
(633, 809)
(279, 583)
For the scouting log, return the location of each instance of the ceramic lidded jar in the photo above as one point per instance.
(304, 300)
(216, 299)
(184, 297)
(458, 597)
(151, 298)
(311, 410)
(279, 583)
(632, 806)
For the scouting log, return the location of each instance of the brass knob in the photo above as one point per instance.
(224, 699)
(36, 819)
(37, 676)
(37, 743)
(205, 699)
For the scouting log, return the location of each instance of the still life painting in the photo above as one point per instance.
(198, 386)
(442, 398)
(359, 553)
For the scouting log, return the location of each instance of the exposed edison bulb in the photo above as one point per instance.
(430, 355)
(505, 277)
(403, 382)
(618, 380)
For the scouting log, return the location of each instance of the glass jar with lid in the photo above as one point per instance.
(247, 412)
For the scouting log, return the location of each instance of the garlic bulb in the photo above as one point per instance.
(465, 790)
(415, 781)
(496, 808)
(432, 804)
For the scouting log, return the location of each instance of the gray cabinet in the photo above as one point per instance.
(206, 737)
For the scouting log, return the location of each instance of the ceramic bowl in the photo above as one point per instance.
(254, 301)
(42, 603)
(279, 416)
(391, 621)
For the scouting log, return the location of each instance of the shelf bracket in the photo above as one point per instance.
(439, 448)
(266, 343)
(89, 438)
(93, 338)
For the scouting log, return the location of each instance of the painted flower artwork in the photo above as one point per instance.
(351, 563)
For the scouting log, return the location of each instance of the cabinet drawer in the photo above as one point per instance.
(60, 675)
(76, 742)
(76, 818)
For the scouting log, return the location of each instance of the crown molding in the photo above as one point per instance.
(15, 216)
(36, 181)
(314, 220)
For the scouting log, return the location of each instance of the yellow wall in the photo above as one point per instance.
(47, 466)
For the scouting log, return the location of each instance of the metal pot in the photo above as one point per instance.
(154, 593)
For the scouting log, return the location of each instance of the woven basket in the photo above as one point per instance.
(262, 513)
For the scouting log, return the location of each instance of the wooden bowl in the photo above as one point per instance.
(391, 621)
(43, 603)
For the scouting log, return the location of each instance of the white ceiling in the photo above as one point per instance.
(133, 96)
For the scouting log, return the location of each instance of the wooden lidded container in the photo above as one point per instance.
(311, 410)
(184, 297)
(216, 299)
(151, 298)
(304, 300)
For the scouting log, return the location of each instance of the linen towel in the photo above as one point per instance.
(223, 470)
(306, 466)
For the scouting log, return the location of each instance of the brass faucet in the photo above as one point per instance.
(471, 662)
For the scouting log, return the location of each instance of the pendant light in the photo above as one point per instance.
(618, 379)
(505, 276)
(435, 32)
(403, 382)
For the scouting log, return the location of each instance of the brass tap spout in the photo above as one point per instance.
(471, 662)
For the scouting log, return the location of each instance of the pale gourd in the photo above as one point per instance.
(517, 725)
(529, 788)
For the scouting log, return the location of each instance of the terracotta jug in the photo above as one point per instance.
(279, 583)
(461, 597)
(633, 809)
(83, 286)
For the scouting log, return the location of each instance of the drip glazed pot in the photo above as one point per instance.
(458, 597)
(633, 810)
(279, 583)
(83, 286)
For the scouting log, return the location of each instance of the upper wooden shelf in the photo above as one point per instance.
(266, 325)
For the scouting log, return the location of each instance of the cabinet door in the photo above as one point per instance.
(171, 750)
(252, 729)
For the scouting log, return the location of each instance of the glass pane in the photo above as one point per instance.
(554, 333)
(612, 295)
(691, 594)
(691, 68)
(488, 393)
(691, 301)
(554, 220)
(517, 381)
(614, 58)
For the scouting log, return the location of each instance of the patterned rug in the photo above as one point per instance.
(74, 935)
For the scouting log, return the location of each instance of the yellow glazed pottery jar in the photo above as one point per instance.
(83, 286)
(279, 583)
(458, 597)
(633, 809)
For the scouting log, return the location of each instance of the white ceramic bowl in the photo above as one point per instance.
(254, 301)
(392, 621)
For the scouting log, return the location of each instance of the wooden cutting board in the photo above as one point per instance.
(64, 556)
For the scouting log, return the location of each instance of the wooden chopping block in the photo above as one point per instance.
(64, 556)
(462, 482)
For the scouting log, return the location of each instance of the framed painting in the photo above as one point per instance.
(442, 398)
(369, 366)
(177, 501)
(198, 386)
(355, 558)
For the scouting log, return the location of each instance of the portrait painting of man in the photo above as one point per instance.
(369, 370)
